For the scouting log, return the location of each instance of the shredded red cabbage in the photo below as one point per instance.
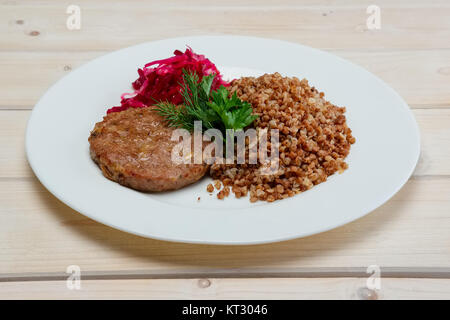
(162, 82)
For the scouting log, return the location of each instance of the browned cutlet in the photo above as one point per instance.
(133, 148)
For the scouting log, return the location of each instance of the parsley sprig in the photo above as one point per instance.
(216, 109)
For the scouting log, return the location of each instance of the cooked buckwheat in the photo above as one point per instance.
(313, 135)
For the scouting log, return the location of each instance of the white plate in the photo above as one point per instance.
(380, 162)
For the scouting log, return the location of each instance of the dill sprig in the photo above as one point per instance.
(214, 108)
(175, 116)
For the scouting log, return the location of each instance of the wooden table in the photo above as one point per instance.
(408, 237)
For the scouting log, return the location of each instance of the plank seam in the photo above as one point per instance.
(389, 272)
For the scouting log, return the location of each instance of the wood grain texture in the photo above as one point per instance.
(40, 236)
(38, 233)
(421, 77)
(109, 25)
(325, 288)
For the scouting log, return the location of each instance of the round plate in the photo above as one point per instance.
(380, 162)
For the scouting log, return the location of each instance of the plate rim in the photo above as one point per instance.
(375, 205)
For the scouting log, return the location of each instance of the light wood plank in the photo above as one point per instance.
(38, 233)
(421, 77)
(28, 211)
(13, 162)
(268, 288)
(201, 4)
(434, 126)
(109, 25)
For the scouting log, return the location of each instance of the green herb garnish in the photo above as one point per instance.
(214, 108)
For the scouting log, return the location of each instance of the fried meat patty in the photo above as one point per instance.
(133, 148)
